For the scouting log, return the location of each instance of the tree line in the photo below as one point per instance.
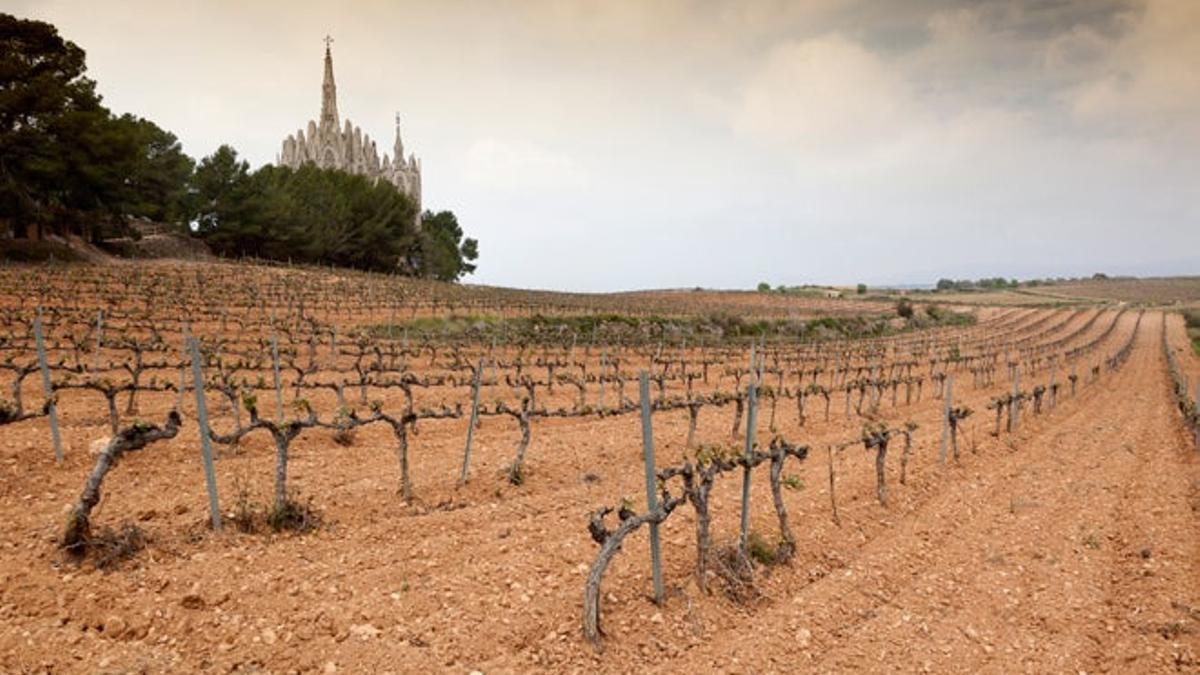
(70, 166)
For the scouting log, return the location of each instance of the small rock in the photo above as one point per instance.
(364, 631)
(268, 636)
(803, 638)
(330, 667)
(657, 617)
(192, 601)
(97, 446)
(115, 627)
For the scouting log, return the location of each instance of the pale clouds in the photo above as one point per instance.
(519, 165)
(1150, 80)
(828, 91)
(604, 144)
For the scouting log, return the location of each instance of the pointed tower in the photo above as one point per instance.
(330, 143)
(398, 147)
(329, 112)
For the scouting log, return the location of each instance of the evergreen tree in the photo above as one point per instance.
(66, 164)
(445, 254)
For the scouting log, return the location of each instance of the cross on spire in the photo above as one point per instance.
(329, 115)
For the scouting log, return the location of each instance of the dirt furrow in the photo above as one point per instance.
(1008, 568)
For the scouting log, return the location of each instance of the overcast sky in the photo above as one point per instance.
(603, 145)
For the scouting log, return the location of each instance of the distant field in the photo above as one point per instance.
(998, 298)
(755, 304)
(1175, 291)
(1157, 290)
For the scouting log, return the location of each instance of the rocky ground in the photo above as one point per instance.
(1072, 545)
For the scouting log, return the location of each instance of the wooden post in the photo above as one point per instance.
(651, 482)
(182, 372)
(462, 479)
(99, 339)
(278, 382)
(603, 372)
(182, 387)
(751, 415)
(752, 359)
(1053, 396)
(47, 386)
(948, 402)
(210, 475)
(1014, 409)
(333, 353)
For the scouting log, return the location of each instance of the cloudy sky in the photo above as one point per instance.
(602, 145)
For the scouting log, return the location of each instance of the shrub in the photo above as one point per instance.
(294, 515)
(343, 433)
(111, 547)
(246, 513)
(760, 550)
(904, 308)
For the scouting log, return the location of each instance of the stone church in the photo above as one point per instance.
(330, 145)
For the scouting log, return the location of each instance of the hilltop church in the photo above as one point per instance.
(330, 146)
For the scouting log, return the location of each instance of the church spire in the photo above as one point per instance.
(398, 148)
(329, 112)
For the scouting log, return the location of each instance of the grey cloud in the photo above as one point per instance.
(604, 144)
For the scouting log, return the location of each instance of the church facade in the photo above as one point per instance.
(331, 145)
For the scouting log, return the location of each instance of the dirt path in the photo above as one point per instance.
(1075, 551)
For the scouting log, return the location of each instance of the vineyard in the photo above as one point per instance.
(236, 467)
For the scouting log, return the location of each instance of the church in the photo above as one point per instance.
(329, 145)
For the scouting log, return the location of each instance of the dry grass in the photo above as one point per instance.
(110, 547)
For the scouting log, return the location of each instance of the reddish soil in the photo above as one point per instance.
(1071, 545)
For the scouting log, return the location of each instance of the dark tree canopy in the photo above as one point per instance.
(69, 166)
(46, 105)
(445, 254)
(308, 215)
(215, 187)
